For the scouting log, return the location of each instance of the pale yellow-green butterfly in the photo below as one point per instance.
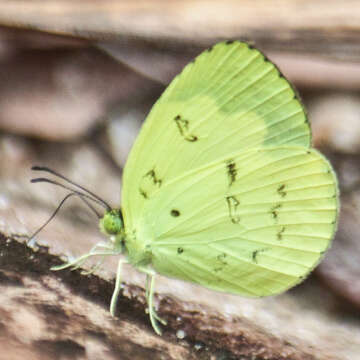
(222, 187)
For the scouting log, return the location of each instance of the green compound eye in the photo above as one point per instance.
(222, 187)
(112, 223)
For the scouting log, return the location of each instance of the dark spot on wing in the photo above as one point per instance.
(183, 127)
(274, 212)
(151, 174)
(143, 193)
(221, 258)
(256, 253)
(175, 213)
(149, 182)
(231, 171)
(180, 250)
(229, 42)
(280, 233)
(281, 191)
(233, 203)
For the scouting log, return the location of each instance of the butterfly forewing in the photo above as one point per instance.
(230, 98)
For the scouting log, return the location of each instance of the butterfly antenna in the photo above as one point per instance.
(59, 207)
(55, 173)
(79, 193)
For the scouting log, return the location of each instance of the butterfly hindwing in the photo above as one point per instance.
(255, 228)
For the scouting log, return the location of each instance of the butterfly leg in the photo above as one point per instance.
(78, 262)
(150, 283)
(117, 288)
(149, 294)
(109, 247)
(95, 267)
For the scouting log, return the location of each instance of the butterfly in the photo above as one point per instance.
(222, 187)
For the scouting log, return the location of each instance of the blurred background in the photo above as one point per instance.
(76, 82)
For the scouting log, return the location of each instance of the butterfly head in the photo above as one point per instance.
(112, 223)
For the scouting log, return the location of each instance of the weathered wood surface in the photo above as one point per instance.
(319, 26)
(317, 41)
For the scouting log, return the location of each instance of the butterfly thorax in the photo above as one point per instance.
(136, 249)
